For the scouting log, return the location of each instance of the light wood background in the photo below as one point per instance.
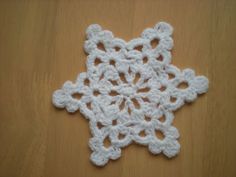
(41, 46)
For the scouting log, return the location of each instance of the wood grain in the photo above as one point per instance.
(41, 46)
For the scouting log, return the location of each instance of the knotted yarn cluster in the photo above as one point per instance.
(130, 91)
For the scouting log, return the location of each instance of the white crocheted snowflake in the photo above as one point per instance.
(130, 91)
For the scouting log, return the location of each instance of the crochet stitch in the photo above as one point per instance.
(130, 91)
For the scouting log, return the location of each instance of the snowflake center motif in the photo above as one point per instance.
(130, 91)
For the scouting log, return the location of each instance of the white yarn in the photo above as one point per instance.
(116, 104)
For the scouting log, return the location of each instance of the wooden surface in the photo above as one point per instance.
(41, 46)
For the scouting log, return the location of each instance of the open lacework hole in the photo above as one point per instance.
(112, 62)
(101, 77)
(162, 118)
(86, 82)
(142, 133)
(129, 111)
(154, 43)
(171, 76)
(117, 48)
(143, 90)
(182, 85)
(113, 82)
(173, 99)
(147, 118)
(159, 134)
(122, 77)
(107, 142)
(129, 70)
(145, 60)
(145, 99)
(139, 48)
(121, 136)
(162, 88)
(97, 61)
(114, 93)
(99, 125)
(77, 96)
(101, 46)
(96, 93)
(122, 105)
(160, 58)
(136, 78)
(89, 106)
(135, 103)
(114, 122)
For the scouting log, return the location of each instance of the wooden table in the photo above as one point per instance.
(41, 46)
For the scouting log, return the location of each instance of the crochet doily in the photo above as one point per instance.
(130, 91)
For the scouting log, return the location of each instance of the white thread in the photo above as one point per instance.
(126, 91)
